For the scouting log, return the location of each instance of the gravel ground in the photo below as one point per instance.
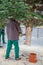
(24, 54)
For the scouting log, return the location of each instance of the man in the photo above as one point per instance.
(13, 31)
(2, 33)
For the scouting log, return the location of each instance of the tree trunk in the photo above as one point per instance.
(28, 35)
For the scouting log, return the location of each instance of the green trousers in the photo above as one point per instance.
(16, 48)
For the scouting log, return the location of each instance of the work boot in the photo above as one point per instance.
(18, 59)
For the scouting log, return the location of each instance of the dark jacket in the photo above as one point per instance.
(13, 30)
(2, 31)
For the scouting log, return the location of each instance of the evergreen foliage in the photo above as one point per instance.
(18, 9)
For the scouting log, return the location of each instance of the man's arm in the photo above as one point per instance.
(18, 27)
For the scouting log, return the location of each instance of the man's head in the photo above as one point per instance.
(12, 19)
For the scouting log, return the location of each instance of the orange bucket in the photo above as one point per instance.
(32, 58)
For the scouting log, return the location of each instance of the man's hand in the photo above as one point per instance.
(20, 35)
